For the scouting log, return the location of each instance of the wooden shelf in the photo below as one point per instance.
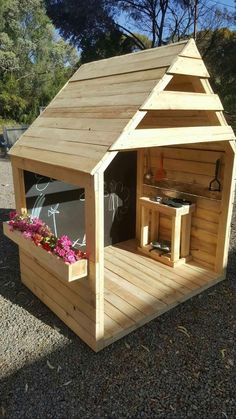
(180, 234)
(181, 189)
(167, 210)
(67, 272)
(164, 258)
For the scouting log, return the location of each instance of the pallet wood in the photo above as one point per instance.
(67, 272)
(49, 157)
(166, 136)
(87, 124)
(84, 89)
(189, 66)
(226, 209)
(57, 307)
(85, 151)
(136, 297)
(130, 62)
(74, 177)
(158, 99)
(182, 100)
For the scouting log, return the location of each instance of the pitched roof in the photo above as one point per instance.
(99, 102)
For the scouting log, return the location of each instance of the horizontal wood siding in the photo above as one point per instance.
(190, 171)
(71, 302)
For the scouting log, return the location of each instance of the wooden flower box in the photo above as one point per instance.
(67, 272)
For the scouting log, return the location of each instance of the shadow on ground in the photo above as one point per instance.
(159, 371)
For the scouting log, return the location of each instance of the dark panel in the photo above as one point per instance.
(120, 198)
(61, 206)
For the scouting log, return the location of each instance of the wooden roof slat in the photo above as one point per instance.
(143, 75)
(100, 138)
(84, 90)
(113, 112)
(95, 101)
(103, 105)
(63, 160)
(87, 124)
(154, 137)
(147, 59)
(89, 151)
(169, 100)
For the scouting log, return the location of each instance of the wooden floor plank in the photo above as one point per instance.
(135, 299)
(116, 313)
(183, 271)
(142, 281)
(128, 309)
(168, 278)
(138, 289)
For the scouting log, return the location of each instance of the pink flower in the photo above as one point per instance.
(64, 241)
(59, 251)
(27, 234)
(35, 229)
(70, 257)
(12, 215)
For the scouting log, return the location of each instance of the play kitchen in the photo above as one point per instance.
(173, 185)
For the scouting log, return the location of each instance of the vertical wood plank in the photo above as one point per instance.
(144, 226)
(185, 235)
(94, 228)
(154, 225)
(226, 208)
(139, 190)
(19, 189)
(175, 238)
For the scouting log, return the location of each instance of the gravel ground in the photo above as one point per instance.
(156, 372)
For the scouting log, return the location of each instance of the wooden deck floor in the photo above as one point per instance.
(138, 288)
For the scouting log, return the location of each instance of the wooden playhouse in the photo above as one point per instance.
(122, 132)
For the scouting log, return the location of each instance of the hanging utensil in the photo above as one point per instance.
(215, 184)
(160, 173)
(148, 175)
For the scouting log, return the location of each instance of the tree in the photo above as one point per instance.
(95, 27)
(219, 50)
(34, 61)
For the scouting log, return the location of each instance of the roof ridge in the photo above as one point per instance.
(147, 50)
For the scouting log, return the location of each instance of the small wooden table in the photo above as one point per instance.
(180, 233)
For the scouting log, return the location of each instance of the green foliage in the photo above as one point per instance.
(34, 61)
(218, 49)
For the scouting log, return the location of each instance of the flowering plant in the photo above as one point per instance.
(36, 230)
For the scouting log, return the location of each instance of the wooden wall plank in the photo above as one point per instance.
(74, 177)
(226, 209)
(19, 188)
(58, 310)
(94, 229)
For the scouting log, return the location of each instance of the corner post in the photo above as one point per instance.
(94, 220)
(226, 209)
(19, 188)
